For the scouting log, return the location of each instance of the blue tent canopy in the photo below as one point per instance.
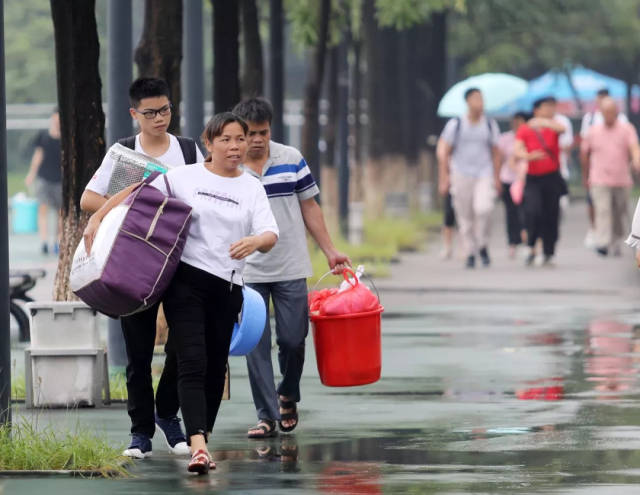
(585, 82)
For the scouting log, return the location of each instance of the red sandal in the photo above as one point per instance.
(200, 462)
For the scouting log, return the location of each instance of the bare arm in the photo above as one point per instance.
(443, 154)
(314, 221)
(91, 201)
(247, 245)
(95, 219)
(497, 165)
(36, 161)
(554, 125)
(521, 153)
(635, 156)
(584, 165)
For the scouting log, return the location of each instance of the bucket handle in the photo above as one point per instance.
(344, 274)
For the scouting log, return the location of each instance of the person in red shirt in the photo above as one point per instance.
(537, 143)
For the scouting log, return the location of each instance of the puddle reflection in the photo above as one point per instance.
(612, 350)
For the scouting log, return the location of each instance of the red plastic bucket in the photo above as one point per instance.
(348, 350)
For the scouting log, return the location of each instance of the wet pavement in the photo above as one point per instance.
(508, 380)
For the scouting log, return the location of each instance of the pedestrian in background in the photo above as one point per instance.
(607, 151)
(512, 169)
(45, 175)
(590, 119)
(537, 141)
(469, 168)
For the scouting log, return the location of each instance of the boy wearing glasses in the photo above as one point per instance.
(151, 108)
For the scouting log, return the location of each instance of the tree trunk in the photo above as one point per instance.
(436, 79)
(159, 52)
(356, 130)
(331, 128)
(276, 68)
(311, 127)
(81, 120)
(253, 72)
(226, 29)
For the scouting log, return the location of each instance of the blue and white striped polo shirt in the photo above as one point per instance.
(287, 180)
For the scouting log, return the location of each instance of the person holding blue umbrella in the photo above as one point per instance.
(469, 167)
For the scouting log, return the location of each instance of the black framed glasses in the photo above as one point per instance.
(151, 114)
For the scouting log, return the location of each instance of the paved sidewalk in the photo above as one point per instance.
(579, 275)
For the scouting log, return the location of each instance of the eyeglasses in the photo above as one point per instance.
(151, 114)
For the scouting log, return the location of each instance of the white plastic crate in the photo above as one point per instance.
(63, 325)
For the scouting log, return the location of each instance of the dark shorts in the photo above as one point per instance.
(589, 198)
(449, 215)
(49, 193)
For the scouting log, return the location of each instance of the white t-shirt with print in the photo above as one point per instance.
(99, 183)
(225, 209)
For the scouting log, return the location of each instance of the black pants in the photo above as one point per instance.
(201, 310)
(513, 216)
(139, 332)
(542, 210)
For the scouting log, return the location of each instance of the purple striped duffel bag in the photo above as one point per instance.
(135, 253)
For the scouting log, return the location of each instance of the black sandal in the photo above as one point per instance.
(268, 428)
(287, 404)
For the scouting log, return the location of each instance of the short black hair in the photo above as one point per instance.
(541, 101)
(603, 92)
(255, 110)
(215, 127)
(147, 87)
(470, 91)
(521, 115)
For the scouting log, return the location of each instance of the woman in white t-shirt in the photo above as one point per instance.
(231, 219)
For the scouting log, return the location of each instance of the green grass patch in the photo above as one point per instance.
(24, 447)
(384, 238)
(15, 183)
(117, 385)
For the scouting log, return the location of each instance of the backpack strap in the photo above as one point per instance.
(491, 124)
(456, 132)
(128, 142)
(188, 147)
(458, 124)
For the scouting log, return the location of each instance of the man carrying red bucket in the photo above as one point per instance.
(281, 274)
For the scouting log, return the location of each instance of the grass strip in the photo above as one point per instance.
(24, 447)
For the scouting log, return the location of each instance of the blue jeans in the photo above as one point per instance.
(292, 326)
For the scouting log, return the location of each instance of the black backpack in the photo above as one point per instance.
(187, 145)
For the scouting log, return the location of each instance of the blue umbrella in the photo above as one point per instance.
(497, 89)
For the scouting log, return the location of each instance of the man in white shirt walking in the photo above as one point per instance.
(469, 167)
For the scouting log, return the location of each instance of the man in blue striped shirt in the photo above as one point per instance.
(281, 274)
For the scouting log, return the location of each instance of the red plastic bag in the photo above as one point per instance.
(356, 299)
(316, 299)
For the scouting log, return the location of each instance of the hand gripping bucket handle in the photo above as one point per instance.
(349, 275)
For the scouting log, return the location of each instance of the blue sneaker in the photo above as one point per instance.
(139, 448)
(173, 435)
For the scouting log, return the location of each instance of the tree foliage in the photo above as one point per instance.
(527, 38)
